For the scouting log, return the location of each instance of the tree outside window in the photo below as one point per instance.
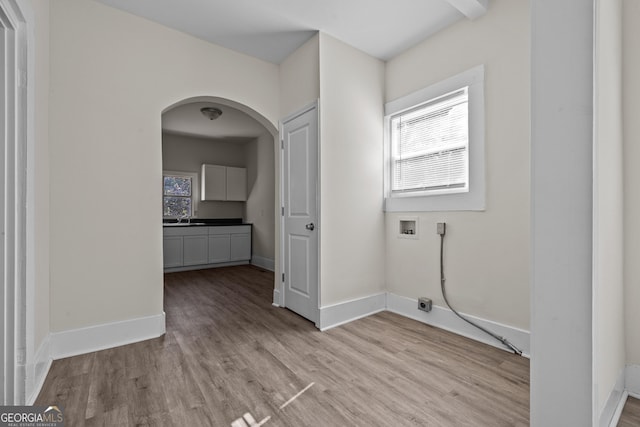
(177, 200)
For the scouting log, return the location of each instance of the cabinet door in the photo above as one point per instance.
(219, 248)
(172, 251)
(214, 182)
(237, 184)
(195, 250)
(240, 247)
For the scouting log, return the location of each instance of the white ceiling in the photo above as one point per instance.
(272, 29)
(232, 125)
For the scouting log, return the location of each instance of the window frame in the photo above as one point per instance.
(442, 200)
(438, 104)
(194, 191)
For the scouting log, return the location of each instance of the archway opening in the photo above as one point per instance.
(241, 147)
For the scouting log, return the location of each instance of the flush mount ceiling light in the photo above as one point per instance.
(211, 113)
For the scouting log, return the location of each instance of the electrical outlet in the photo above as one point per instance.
(424, 304)
(441, 228)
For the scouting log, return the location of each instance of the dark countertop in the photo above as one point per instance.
(205, 222)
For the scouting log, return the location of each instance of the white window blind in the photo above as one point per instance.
(430, 145)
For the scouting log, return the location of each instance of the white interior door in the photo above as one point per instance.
(300, 217)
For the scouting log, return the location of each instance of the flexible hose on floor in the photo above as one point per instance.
(503, 340)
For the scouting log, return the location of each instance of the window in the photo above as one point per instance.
(435, 147)
(429, 146)
(178, 191)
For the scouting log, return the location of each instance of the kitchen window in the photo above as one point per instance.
(434, 149)
(178, 191)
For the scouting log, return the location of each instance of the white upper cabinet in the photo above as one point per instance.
(237, 184)
(214, 182)
(224, 183)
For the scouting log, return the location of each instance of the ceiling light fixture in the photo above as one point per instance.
(211, 113)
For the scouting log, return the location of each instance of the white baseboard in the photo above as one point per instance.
(100, 337)
(262, 262)
(276, 298)
(37, 371)
(632, 380)
(445, 319)
(612, 410)
(618, 412)
(204, 266)
(344, 312)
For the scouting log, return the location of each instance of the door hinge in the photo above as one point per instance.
(283, 211)
(283, 277)
(282, 143)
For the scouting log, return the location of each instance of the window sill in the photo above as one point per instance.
(472, 201)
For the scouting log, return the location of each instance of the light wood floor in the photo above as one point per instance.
(631, 413)
(228, 352)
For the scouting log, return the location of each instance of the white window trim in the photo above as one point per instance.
(195, 191)
(474, 199)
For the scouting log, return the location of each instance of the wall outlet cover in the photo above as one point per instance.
(424, 304)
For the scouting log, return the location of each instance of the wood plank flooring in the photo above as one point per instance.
(630, 414)
(228, 352)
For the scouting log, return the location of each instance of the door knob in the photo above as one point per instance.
(310, 226)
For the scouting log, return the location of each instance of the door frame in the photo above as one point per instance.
(17, 204)
(282, 301)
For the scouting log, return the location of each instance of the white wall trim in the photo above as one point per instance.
(35, 361)
(15, 210)
(345, 312)
(444, 318)
(632, 380)
(37, 370)
(474, 198)
(262, 262)
(276, 298)
(612, 410)
(472, 9)
(108, 335)
(618, 412)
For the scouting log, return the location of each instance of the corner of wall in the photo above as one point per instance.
(109, 335)
(632, 380)
(37, 371)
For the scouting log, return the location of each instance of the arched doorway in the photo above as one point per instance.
(240, 138)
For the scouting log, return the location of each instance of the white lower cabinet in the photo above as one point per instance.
(172, 251)
(195, 250)
(204, 247)
(240, 246)
(219, 248)
(230, 244)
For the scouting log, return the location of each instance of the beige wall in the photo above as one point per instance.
(182, 153)
(608, 317)
(351, 218)
(300, 78)
(487, 253)
(112, 74)
(631, 107)
(260, 206)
